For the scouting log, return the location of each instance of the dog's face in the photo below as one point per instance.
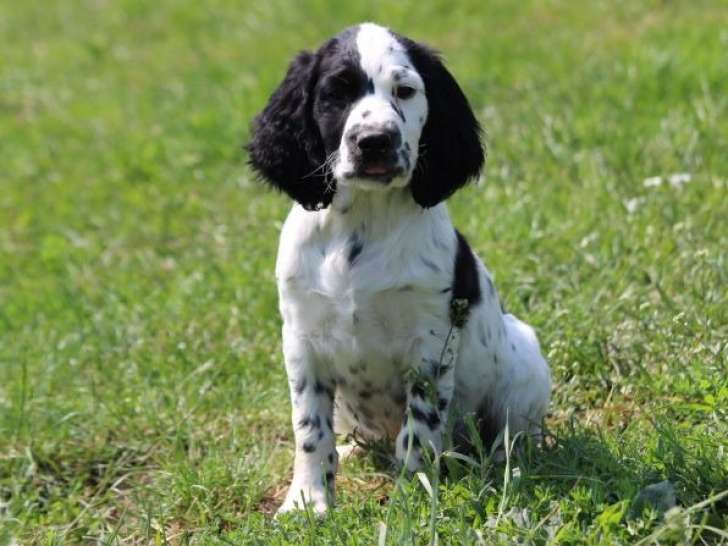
(370, 109)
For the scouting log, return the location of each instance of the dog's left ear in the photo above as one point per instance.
(450, 151)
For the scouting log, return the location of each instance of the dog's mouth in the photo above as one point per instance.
(380, 171)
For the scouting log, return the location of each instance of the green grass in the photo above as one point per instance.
(142, 395)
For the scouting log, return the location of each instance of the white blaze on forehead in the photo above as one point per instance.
(377, 47)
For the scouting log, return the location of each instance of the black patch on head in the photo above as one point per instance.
(355, 248)
(450, 148)
(304, 119)
(465, 283)
(309, 447)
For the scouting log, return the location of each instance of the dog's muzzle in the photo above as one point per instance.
(374, 150)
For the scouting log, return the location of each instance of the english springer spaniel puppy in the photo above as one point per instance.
(392, 328)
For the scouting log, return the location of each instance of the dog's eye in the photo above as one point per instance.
(404, 92)
(339, 87)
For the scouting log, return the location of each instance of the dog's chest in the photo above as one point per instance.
(362, 306)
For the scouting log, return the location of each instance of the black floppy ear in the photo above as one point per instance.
(286, 146)
(450, 152)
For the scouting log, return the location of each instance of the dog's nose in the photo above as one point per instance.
(373, 142)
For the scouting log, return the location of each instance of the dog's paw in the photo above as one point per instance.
(302, 497)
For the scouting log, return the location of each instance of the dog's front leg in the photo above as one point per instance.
(430, 388)
(312, 398)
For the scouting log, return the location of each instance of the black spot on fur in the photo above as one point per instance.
(329, 424)
(320, 435)
(304, 422)
(418, 389)
(513, 347)
(300, 386)
(370, 86)
(442, 404)
(331, 458)
(445, 290)
(429, 417)
(415, 441)
(320, 388)
(365, 395)
(366, 113)
(355, 247)
(308, 447)
(398, 111)
(329, 477)
(465, 283)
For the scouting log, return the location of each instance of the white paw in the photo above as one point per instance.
(301, 497)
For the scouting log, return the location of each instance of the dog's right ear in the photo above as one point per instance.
(286, 147)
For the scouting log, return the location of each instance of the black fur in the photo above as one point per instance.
(286, 148)
(450, 149)
(465, 283)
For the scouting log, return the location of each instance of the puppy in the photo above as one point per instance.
(392, 327)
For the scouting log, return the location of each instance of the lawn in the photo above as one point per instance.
(143, 398)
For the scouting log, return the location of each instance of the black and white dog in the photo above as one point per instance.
(391, 326)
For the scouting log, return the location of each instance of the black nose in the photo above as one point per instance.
(373, 142)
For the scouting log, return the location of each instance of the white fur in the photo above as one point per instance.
(361, 325)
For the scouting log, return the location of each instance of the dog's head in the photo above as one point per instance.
(370, 109)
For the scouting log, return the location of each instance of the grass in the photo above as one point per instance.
(142, 395)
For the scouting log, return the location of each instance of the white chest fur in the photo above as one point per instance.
(362, 285)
